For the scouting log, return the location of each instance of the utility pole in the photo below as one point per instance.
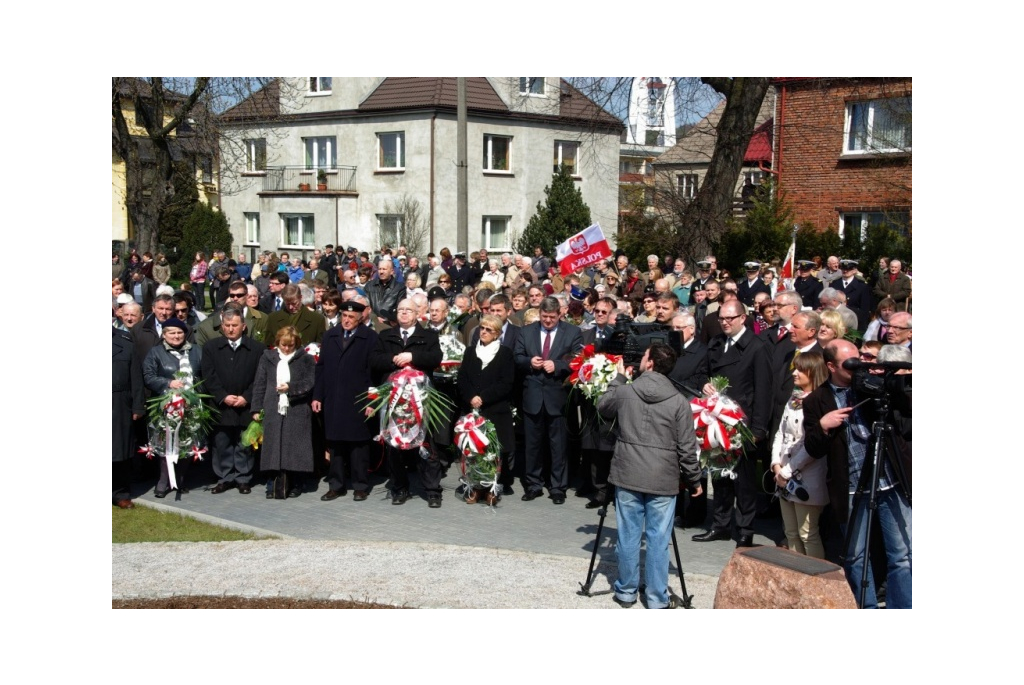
(462, 192)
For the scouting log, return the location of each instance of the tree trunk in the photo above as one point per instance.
(705, 217)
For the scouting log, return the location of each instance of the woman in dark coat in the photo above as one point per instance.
(165, 360)
(283, 390)
(486, 380)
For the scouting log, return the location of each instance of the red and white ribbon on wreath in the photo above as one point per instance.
(147, 451)
(471, 435)
(718, 417)
(197, 452)
(407, 395)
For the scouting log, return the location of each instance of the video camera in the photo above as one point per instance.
(877, 379)
(631, 340)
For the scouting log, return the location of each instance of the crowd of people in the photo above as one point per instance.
(242, 334)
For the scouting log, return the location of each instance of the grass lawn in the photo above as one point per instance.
(143, 524)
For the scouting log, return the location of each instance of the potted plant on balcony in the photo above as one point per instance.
(303, 186)
(321, 180)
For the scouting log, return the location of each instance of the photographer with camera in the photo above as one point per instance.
(656, 442)
(838, 419)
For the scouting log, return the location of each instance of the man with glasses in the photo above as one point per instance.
(183, 309)
(743, 359)
(409, 345)
(900, 331)
(239, 295)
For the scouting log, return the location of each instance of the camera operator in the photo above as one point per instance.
(838, 427)
(655, 443)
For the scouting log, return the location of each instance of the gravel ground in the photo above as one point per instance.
(393, 574)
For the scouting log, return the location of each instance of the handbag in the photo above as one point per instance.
(281, 485)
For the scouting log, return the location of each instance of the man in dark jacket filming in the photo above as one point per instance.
(655, 444)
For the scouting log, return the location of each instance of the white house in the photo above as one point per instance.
(354, 161)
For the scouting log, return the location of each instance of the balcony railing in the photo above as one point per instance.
(280, 179)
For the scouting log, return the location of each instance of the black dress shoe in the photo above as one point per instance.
(160, 493)
(359, 495)
(745, 541)
(712, 535)
(507, 490)
(294, 492)
(222, 487)
(558, 499)
(399, 497)
(624, 605)
(183, 491)
(531, 495)
(244, 488)
(594, 504)
(434, 502)
(331, 495)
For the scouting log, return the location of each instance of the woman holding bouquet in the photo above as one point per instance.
(283, 390)
(485, 383)
(171, 365)
(790, 462)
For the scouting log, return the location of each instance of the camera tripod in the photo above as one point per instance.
(884, 450)
(686, 601)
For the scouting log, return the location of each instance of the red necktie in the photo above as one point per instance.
(782, 332)
(547, 345)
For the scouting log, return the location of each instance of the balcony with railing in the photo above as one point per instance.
(302, 179)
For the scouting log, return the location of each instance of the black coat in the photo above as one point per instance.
(781, 353)
(128, 396)
(748, 368)
(808, 288)
(691, 370)
(231, 372)
(746, 291)
(494, 386)
(542, 391)
(423, 345)
(859, 299)
(341, 376)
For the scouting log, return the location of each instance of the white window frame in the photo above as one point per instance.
(755, 176)
(847, 219)
(560, 147)
(320, 85)
(252, 155)
(529, 84)
(311, 154)
(399, 221)
(399, 164)
(303, 231)
(488, 160)
(869, 145)
(485, 233)
(688, 185)
(252, 228)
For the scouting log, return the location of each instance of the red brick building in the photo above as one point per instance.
(842, 150)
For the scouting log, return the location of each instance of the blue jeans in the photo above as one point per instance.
(894, 517)
(637, 513)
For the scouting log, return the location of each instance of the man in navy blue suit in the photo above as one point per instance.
(542, 354)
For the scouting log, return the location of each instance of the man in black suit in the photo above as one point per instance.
(229, 366)
(752, 284)
(781, 343)
(858, 294)
(272, 301)
(596, 440)
(742, 357)
(806, 285)
(689, 375)
(342, 374)
(409, 345)
(542, 354)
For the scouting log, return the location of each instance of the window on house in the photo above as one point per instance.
(185, 125)
(878, 126)
(320, 84)
(389, 227)
(862, 221)
(754, 176)
(297, 230)
(531, 85)
(494, 235)
(252, 228)
(148, 110)
(320, 152)
(688, 185)
(497, 153)
(206, 167)
(567, 153)
(256, 154)
(391, 150)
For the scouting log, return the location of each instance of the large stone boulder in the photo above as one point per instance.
(776, 578)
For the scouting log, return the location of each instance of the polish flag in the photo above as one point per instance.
(788, 268)
(582, 250)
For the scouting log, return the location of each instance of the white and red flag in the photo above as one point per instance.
(583, 249)
(788, 268)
